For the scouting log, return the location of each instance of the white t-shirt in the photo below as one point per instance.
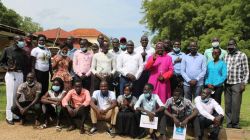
(103, 102)
(42, 58)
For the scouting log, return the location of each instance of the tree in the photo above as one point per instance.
(29, 26)
(199, 20)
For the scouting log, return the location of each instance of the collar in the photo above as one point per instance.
(173, 53)
(197, 54)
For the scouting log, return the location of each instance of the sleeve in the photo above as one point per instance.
(133, 102)
(158, 100)
(112, 95)
(87, 98)
(223, 74)
(3, 59)
(169, 73)
(168, 103)
(94, 96)
(203, 69)
(89, 72)
(20, 89)
(119, 99)
(149, 63)
(141, 67)
(93, 65)
(201, 110)
(244, 65)
(75, 65)
(207, 79)
(67, 98)
(39, 88)
(217, 108)
(113, 65)
(138, 103)
(34, 52)
(183, 70)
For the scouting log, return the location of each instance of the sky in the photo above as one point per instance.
(114, 18)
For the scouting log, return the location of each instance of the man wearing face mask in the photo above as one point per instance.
(237, 78)
(180, 111)
(28, 94)
(177, 56)
(210, 114)
(82, 64)
(215, 44)
(123, 43)
(193, 70)
(13, 60)
(130, 66)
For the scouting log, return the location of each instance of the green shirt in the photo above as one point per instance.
(209, 56)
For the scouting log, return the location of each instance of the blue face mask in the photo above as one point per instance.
(41, 46)
(127, 96)
(123, 47)
(205, 100)
(147, 95)
(20, 44)
(63, 54)
(176, 50)
(56, 88)
(83, 49)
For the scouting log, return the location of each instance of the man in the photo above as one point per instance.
(237, 77)
(70, 44)
(123, 43)
(13, 60)
(211, 114)
(28, 94)
(79, 107)
(147, 104)
(130, 66)
(103, 67)
(180, 111)
(215, 44)
(177, 56)
(103, 107)
(167, 45)
(145, 51)
(193, 70)
(82, 64)
(116, 51)
(28, 48)
(100, 40)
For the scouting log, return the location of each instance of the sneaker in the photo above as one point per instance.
(10, 122)
(71, 127)
(93, 130)
(111, 132)
(58, 128)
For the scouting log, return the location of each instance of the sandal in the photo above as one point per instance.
(58, 128)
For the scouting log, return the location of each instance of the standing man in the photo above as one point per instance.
(237, 77)
(82, 64)
(130, 65)
(13, 61)
(167, 45)
(215, 45)
(70, 44)
(145, 51)
(123, 43)
(193, 70)
(100, 40)
(177, 56)
(103, 67)
(28, 48)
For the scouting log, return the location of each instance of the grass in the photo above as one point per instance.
(244, 115)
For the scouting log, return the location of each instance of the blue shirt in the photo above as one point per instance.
(216, 73)
(193, 68)
(177, 66)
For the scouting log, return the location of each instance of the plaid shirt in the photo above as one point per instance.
(237, 68)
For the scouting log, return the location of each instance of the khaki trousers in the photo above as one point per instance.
(110, 115)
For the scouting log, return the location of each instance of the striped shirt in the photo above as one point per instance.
(237, 68)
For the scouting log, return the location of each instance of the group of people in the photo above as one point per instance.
(123, 83)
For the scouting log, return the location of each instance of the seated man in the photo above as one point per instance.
(28, 94)
(211, 114)
(103, 107)
(180, 111)
(79, 107)
(147, 103)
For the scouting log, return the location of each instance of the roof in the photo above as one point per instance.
(85, 32)
(53, 33)
(10, 31)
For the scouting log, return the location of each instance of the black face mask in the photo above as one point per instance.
(231, 50)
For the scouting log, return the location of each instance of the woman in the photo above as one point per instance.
(51, 102)
(41, 63)
(216, 75)
(62, 65)
(161, 70)
(126, 122)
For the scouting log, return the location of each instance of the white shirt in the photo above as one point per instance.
(115, 54)
(206, 109)
(103, 102)
(42, 58)
(130, 63)
(103, 63)
(149, 105)
(149, 50)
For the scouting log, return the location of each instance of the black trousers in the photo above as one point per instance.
(36, 108)
(43, 79)
(217, 94)
(86, 82)
(82, 113)
(140, 83)
(50, 111)
(194, 123)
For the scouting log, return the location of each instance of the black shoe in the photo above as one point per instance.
(10, 122)
(142, 135)
(237, 127)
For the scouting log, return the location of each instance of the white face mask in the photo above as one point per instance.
(215, 44)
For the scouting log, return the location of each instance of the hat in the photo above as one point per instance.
(123, 39)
